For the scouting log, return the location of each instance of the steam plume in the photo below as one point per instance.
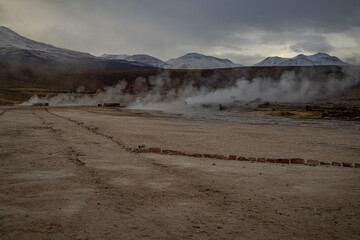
(162, 95)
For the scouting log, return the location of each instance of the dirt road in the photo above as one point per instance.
(63, 179)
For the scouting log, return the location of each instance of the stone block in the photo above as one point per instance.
(232, 157)
(172, 152)
(154, 150)
(336, 164)
(283, 160)
(197, 155)
(260, 159)
(242, 159)
(220, 157)
(312, 163)
(297, 161)
(347, 164)
(271, 160)
(140, 150)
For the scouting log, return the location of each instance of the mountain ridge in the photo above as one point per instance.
(140, 58)
(317, 59)
(200, 61)
(16, 48)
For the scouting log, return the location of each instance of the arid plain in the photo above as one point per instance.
(75, 173)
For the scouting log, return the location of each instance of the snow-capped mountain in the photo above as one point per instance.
(140, 58)
(199, 61)
(14, 47)
(10, 39)
(302, 60)
(271, 61)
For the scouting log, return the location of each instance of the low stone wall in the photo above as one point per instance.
(143, 149)
(300, 161)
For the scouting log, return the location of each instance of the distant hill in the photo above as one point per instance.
(16, 48)
(199, 61)
(188, 61)
(139, 58)
(318, 59)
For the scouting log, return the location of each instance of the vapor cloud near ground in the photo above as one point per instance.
(110, 94)
(290, 87)
(160, 93)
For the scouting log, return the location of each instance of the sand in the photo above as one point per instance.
(63, 179)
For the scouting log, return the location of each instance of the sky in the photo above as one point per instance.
(244, 31)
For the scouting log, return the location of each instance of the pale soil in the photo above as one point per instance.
(309, 139)
(60, 180)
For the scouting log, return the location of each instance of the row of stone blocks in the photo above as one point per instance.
(252, 159)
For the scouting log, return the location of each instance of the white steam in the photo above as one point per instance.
(289, 88)
(110, 94)
(162, 93)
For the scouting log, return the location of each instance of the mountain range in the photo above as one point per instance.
(199, 61)
(188, 61)
(318, 59)
(14, 47)
(139, 58)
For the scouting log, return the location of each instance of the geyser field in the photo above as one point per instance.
(249, 153)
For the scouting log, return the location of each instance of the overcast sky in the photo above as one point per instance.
(244, 31)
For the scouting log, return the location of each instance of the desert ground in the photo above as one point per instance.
(72, 173)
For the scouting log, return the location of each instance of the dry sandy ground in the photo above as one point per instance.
(60, 180)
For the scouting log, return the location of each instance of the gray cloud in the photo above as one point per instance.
(247, 30)
(314, 44)
(246, 60)
(3, 15)
(354, 59)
